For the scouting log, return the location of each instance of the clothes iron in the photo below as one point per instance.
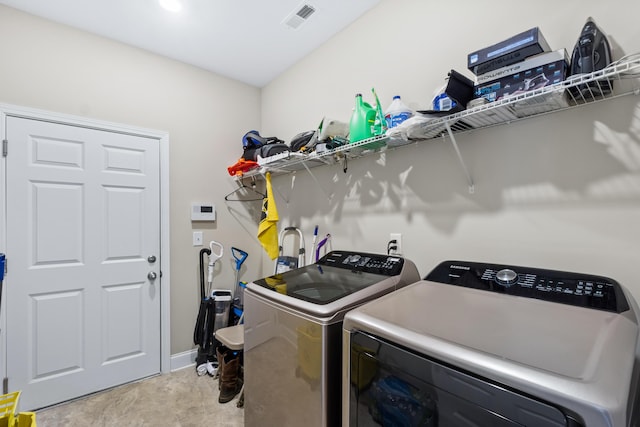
(591, 53)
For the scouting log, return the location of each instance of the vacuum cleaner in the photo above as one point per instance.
(591, 53)
(212, 315)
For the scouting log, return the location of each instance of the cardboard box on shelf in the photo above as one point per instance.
(533, 73)
(507, 52)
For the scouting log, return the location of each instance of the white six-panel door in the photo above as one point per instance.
(83, 228)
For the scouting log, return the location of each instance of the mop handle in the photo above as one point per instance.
(321, 244)
(213, 258)
(239, 255)
(313, 245)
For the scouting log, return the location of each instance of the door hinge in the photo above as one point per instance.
(5, 147)
(5, 385)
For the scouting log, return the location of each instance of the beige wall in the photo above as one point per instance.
(56, 68)
(559, 191)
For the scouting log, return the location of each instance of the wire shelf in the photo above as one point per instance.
(575, 91)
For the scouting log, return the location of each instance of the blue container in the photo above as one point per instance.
(1, 276)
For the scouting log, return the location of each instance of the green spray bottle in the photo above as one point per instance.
(362, 120)
(380, 124)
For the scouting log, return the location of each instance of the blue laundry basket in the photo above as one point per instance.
(1, 276)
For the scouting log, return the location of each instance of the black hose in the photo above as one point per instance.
(199, 331)
(208, 252)
(207, 334)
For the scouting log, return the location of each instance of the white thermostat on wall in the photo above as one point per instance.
(202, 212)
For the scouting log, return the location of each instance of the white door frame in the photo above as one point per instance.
(163, 138)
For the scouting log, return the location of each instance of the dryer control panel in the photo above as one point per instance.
(577, 289)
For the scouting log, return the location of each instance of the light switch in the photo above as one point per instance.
(197, 238)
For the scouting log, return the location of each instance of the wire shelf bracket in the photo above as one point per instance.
(452, 138)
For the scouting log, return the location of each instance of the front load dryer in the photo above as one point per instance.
(488, 345)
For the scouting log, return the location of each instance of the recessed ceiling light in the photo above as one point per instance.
(171, 5)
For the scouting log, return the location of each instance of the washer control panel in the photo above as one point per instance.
(365, 262)
(582, 290)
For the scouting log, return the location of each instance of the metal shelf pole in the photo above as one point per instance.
(464, 166)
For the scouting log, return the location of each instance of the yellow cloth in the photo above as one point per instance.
(268, 227)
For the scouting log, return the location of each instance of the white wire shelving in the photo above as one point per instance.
(621, 78)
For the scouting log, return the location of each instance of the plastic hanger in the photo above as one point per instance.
(246, 189)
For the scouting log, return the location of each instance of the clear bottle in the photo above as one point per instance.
(362, 120)
(397, 112)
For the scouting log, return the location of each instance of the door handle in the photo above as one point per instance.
(151, 259)
(152, 276)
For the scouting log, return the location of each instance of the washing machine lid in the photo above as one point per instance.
(337, 281)
(319, 284)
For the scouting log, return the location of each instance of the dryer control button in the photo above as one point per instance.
(506, 277)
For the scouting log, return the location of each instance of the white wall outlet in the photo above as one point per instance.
(398, 244)
(197, 238)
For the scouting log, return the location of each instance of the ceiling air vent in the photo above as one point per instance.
(299, 16)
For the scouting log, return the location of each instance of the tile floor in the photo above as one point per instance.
(178, 399)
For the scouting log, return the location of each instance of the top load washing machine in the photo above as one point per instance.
(493, 345)
(293, 334)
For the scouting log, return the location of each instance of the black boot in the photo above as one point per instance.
(230, 382)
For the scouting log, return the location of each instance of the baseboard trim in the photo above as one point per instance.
(183, 360)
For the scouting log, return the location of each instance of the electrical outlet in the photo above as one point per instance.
(197, 238)
(398, 243)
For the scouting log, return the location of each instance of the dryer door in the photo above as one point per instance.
(390, 385)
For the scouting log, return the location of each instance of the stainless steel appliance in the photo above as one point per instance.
(293, 334)
(492, 345)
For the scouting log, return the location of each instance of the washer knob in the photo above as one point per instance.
(506, 277)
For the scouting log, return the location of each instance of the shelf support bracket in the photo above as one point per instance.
(263, 173)
(464, 166)
(316, 180)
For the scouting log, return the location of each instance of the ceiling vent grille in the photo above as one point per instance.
(299, 16)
